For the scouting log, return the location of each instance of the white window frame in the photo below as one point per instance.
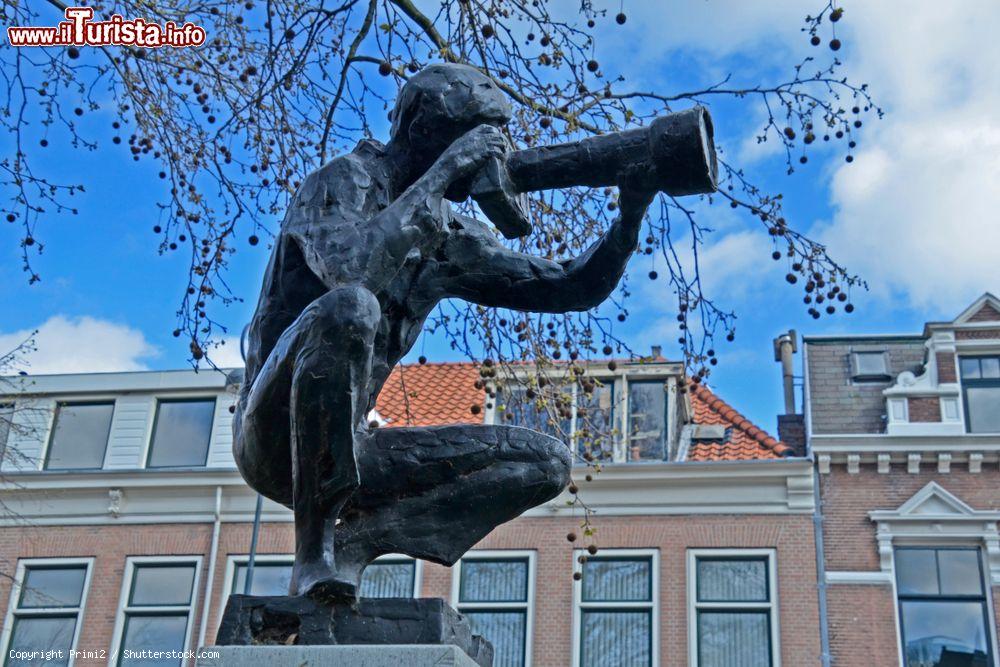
(123, 609)
(694, 606)
(179, 397)
(15, 596)
(621, 411)
(528, 605)
(235, 560)
(53, 419)
(653, 604)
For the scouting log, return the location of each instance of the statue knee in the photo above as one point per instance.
(346, 313)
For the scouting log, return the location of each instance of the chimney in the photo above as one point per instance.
(657, 351)
(785, 346)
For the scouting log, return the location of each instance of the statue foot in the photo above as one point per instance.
(320, 582)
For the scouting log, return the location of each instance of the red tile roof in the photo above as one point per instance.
(431, 394)
(445, 393)
(745, 440)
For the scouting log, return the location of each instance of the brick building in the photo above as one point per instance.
(126, 525)
(905, 432)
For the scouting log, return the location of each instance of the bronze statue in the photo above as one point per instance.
(368, 248)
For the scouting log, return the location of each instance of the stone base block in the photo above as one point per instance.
(390, 655)
(289, 621)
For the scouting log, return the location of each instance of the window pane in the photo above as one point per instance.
(615, 638)
(916, 572)
(732, 580)
(647, 413)
(505, 630)
(936, 634)
(268, 579)
(990, 368)
(595, 422)
(52, 587)
(494, 581)
(79, 437)
(969, 368)
(183, 429)
(959, 572)
(153, 633)
(6, 414)
(162, 585)
(546, 410)
(616, 580)
(870, 363)
(734, 639)
(388, 579)
(984, 409)
(41, 634)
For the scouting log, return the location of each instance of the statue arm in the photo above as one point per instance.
(488, 273)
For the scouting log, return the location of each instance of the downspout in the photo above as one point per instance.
(210, 579)
(826, 659)
(824, 629)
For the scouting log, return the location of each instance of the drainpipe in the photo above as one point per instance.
(210, 578)
(824, 629)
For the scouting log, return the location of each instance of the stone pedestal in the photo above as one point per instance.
(303, 621)
(392, 655)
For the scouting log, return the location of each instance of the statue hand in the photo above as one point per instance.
(470, 152)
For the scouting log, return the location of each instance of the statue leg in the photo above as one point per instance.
(320, 371)
(434, 492)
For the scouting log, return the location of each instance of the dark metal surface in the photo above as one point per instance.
(368, 248)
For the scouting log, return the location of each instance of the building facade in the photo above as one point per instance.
(905, 431)
(126, 525)
(865, 536)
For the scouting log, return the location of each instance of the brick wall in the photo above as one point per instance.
(946, 370)
(985, 314)
(839, 405)
(924, 409)
(862, 617)
(791, 536)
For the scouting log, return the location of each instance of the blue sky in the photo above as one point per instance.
(917, 213)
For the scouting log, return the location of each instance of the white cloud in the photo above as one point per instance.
(82, 345)
(227, 354)
(918, 213)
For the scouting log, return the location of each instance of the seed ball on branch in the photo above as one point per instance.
(835, 45)
(487, 31)
(815, 40)
(73, 52)
(592, 65)
(571, 537)
(384, 68)
(592, 549)
(577, 576)
(836, 14)
(621, 18)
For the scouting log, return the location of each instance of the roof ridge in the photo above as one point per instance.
(738, 421)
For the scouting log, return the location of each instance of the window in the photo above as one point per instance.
(616, 612)
(390, 577)
(181, 433)
(981, 391)
(6, 416)
(545, 410)
(732, 619)
(156, 608)
(494, 591)
(269, 577)
(870, 366)
(943, 613)
(46, 606)
(647, 416)
(79, 436)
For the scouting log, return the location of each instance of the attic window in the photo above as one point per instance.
(870, 366)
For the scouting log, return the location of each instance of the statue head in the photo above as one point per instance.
(440, 103)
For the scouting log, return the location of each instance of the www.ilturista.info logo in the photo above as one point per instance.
(80, 30)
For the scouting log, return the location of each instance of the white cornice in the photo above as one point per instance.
(142, 497)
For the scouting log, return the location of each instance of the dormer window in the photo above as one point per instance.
(870, 366)
(981, 393)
